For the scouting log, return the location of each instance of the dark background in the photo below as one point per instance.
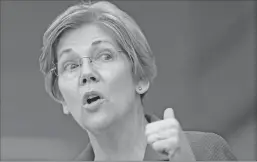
(205, 58)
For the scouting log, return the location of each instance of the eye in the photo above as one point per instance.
(105, 56)
(70, 66)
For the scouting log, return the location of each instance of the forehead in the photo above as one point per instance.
(85, 37)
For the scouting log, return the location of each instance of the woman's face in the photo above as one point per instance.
(112, 80)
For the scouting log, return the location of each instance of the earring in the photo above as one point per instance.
(65, 109)
(139, 88)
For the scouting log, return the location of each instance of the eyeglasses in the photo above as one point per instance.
(71, 69)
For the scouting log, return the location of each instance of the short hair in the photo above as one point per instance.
(126, 32)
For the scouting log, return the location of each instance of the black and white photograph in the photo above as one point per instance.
(120, 80)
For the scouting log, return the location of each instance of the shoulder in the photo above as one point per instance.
(209, 146)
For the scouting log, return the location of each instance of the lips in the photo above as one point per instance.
(92, 101)
(91, 97)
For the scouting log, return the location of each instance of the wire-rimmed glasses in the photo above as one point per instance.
(72, 68)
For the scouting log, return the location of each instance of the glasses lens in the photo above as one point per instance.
(74, 69)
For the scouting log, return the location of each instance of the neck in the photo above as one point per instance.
(124, 140)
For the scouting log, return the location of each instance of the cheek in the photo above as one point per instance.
(120, 83)
(69, 92)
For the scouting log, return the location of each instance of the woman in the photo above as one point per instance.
(98, 65)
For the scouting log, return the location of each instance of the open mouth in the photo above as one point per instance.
(92, 97)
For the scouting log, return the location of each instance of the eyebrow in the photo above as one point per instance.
(93, 44)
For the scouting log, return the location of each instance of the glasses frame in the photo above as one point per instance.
(53, 70)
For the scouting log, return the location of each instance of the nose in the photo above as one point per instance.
(87, 75)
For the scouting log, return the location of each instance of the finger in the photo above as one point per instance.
(153, 138)
(162, 135)
(166, 146)
(174, 154)
(161, 125)
(168, 113)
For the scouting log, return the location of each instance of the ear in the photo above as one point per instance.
(65, 109)
(142, 86)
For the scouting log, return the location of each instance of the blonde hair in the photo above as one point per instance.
(127, 33)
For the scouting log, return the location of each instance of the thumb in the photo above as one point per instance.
(168, 113)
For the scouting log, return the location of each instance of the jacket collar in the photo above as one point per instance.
(150, 153)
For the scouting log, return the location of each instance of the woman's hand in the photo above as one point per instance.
(164, 135)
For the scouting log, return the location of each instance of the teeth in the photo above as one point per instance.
(90, 97)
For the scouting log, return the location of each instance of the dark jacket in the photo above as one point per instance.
(204, 147)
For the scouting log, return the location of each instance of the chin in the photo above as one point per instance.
(97, 122)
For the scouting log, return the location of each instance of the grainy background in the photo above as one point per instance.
(205, 57)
